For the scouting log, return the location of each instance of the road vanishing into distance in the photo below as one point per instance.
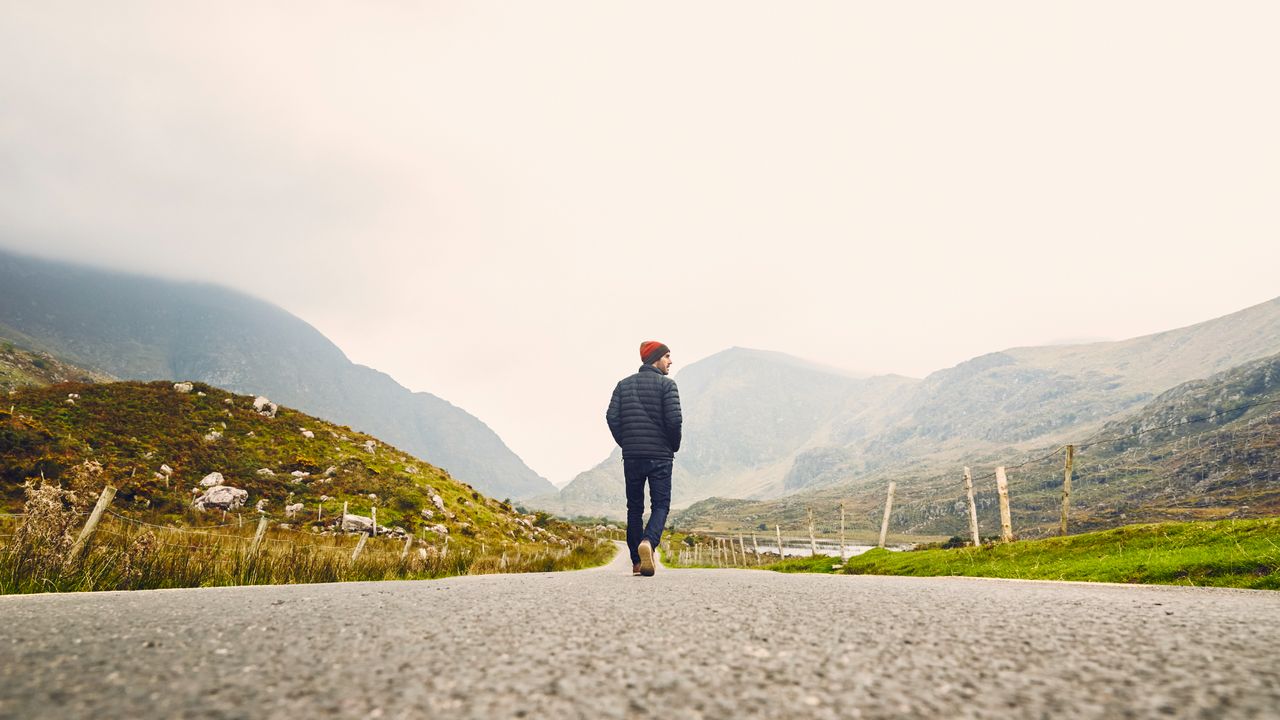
(683, 644)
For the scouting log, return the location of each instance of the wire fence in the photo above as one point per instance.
(1194, 467)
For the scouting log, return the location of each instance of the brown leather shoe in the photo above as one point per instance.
(646, 558)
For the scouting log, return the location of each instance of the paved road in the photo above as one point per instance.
(684, 644)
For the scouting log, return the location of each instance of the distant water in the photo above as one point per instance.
(801, 548)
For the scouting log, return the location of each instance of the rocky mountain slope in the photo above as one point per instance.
(748, 415)
(191, 454)
(1205, 449)
(142, 328)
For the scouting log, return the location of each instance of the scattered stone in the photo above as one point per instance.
(437, 529)
(229, 401)
(357, 523)
(213, 436)
(299, 475)
(427, 514)
(221, 497)
(261, 507)
(285, 526)
(266, 472)
(372, 496)
(71, 401)
(438, 502)
(200, 393)
(212, 479)
(291, 510)
(308, 434)
(329, 472)
(411, 469)
(166, 469)
(265, 407)
(183, 387)
(370, 445)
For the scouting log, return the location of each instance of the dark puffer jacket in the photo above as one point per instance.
(644, 415)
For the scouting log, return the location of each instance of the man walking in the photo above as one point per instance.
(644, 417)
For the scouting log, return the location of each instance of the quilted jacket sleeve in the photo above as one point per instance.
(613, 415)
(672, 415)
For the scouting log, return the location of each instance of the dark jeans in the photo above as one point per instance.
(658, 475)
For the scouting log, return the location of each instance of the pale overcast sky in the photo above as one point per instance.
(496, 202)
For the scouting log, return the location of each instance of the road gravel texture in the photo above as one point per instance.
(683, 644)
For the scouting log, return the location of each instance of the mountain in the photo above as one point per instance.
(158, 441)
(748, 414)
(142, 328)
(763, 425)
(1204, 449)
(1027, 397)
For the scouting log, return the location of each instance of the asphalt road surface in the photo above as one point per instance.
(683, 644)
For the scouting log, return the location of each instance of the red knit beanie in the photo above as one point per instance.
(651, 351)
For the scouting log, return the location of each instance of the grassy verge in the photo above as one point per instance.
(35, 555)
(1225, 553)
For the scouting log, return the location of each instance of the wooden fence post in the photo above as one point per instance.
(1066, 488)
(257, 537)
(742, 545)
(375, 521)
(359, 546)
(1006, 523)
(756, 546)
(813, 542)
(841, 531)
(104, 499)
(973, 508)
(408, 542)
(888, 507)
(778, 529)
(342, 524)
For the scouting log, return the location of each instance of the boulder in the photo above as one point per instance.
(266, 472)
(291, 510)
(261, 506)
(427, 514)
(265, 407)
(166, 469)
(357, 523)
(183, 387)
(308, 434)
(212, 479)
(299, 475)
(221, 497)
(438, 502)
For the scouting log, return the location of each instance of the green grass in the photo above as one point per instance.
(1224, 553)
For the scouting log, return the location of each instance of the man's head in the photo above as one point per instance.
(656, 354)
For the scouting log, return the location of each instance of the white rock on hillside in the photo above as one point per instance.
(266, 472)
(261, 506)
(308, 434)
(183, 387)
(438, 502)
(357, 523)
(437, 529)
(166, 469)
(291, 510)
(221, 497)
(212, 479)
(265, 407)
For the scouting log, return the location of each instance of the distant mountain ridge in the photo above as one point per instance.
(763, 425)
(143, 328)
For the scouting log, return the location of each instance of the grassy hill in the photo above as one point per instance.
(127, 433)
(134, 327)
